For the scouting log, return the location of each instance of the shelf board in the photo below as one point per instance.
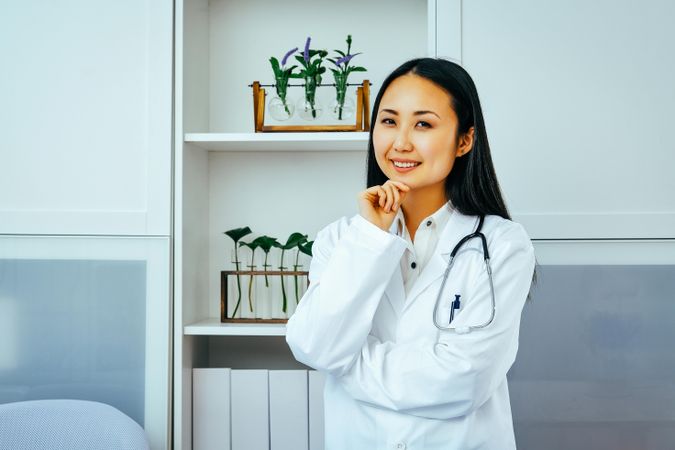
(213, 327)
(318, 141)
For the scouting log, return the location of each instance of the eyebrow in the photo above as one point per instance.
(416, 113)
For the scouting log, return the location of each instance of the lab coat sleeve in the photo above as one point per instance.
(457, 373)
(352, 263)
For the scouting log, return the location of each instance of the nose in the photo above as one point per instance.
(402, 141)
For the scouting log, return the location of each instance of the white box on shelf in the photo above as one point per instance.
(316, 381)
(211, 408)
(250, 409)
(288, 410)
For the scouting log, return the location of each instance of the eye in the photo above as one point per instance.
(427, 125)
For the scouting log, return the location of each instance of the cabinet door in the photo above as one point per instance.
(87, 318)
(85, 117)
(595, 362)
(578, 100)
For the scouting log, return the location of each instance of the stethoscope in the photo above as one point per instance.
(456, 303)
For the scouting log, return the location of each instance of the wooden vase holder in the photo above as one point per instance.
(362, 113)
(223, 292)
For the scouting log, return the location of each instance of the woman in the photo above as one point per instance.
(395, 378)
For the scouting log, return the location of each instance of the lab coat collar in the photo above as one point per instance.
(457, 226)
(440, 217)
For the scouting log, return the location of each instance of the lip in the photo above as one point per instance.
(404, 169)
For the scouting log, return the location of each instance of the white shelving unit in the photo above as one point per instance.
(313, 142)
(227, 176)
(213, 327)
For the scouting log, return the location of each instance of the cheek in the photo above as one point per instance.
(439, 160)
(380, 145)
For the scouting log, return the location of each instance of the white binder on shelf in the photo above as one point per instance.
(250, 410)
(211, 409)
(288, 410)
(316, 381)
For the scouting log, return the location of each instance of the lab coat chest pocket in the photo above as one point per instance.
(468, 265)
(417, 321)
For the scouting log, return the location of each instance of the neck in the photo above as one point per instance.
(421, 203)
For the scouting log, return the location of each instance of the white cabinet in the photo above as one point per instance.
(577, 99)
(85, 205)
(86, 117)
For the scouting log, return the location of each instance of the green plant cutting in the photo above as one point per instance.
(343, 72)
(293, 241)
(236, 234)
(311, 72)
(282, 75)
(252, 245)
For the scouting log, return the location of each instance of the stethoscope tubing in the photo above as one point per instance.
(486, 257)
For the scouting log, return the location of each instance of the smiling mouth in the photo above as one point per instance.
(405, 165)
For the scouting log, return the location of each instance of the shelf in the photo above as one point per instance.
(213, 327)
(319, 141)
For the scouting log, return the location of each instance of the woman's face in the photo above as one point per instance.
(415, 122)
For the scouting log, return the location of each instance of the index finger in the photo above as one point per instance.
(400, 184)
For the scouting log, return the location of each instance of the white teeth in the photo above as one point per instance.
(400, 164)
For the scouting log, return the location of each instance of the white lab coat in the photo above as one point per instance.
(394, 381)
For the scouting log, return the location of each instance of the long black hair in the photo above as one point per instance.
(471, 186)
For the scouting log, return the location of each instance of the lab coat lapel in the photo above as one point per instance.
(457, 226)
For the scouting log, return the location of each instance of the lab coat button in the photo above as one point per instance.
(413, 265)
(428, 223)
(400, 446)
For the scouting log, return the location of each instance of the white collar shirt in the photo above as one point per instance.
(417, 254)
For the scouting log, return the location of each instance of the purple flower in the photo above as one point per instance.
(306, 53)
(346, 59)
(290, 52)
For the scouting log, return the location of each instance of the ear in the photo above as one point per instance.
(465, 143)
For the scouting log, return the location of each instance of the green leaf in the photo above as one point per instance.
(357, 69)
(252, 245)
(293, 240)
(289, 70)
(275, 64)
(238, 233)
(301, 60)
(266, 243)
(341, 53)
(306, 247)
